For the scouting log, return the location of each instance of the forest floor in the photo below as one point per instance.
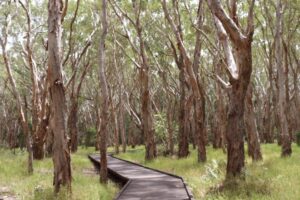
(274, 178)
(18, 184)
(271, 179)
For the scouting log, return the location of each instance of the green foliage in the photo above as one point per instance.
(213, 170)
(90, 137)
(161, 129)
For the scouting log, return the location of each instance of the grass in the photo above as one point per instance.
(13, 175)
(271, 179)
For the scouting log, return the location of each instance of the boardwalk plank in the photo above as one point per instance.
(145, 183)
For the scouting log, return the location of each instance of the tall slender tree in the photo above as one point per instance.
(282, 89)
(103, 131)
(251, 127)
(61, 152)
(187, 69)
(143, 64)
(21, 110)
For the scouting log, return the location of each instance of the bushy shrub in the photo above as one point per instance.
(90, 137)
(161, 129)
(161, 132)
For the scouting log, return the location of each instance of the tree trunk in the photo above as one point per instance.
(72, 117)
(40, 136)
(199, 99)
(73, 113)
(61, 154)
(220, 131)
(147, 119)
(28, 139)
(251, 128)
(183, 143)
(98, 120)
(22, 116)
(267, 116)
(105, 97)
(235, 125)
(170, 129)
(200, 128)
(184, 63)
(72, 123)
(115, 128)
(282, 76)
(239, 68)
(121, 122)
(146, 105)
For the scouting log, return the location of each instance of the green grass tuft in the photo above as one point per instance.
(271, 179)
(85, 185)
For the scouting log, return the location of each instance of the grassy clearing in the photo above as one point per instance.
(272, 178)
(38, 186)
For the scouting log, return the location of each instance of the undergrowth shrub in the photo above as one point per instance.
(90, 137)
(161, 130)
(213, 171)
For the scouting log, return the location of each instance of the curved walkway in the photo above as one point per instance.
(142, 183)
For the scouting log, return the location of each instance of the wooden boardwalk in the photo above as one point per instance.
(142, 183)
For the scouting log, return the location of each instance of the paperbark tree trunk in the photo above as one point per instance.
(220, 130)
(22, 117)
(282, 76)
(39, 93)
(170, 128)
(61, 154)
(41, 133)
(183, 135)
(199, 99)
(115, 123)
(121, 95)
(72, 115)
(147, 119)
(146, 105)
(251, 128)
(121, 121)
(239, 68)
(147, 124)
(296, 88)
(104, 95)
(184, 63)
(72, 123)
(74, 98)
(267, 116)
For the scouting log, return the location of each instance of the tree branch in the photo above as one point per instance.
(231, 28)
(250, 23)
(231, 64)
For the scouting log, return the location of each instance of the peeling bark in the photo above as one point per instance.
(239, 84)
(103, 131)
(282, 90)
(61, 154)
(251, 128)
